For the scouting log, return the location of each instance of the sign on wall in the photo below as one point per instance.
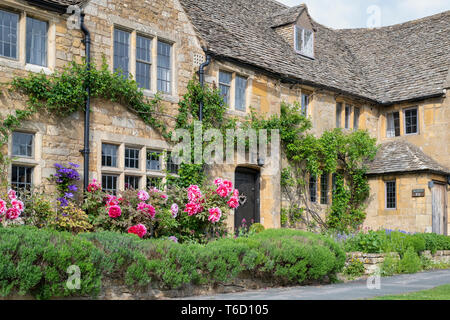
(418, 193)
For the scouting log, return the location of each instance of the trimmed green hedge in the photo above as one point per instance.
(35, 261)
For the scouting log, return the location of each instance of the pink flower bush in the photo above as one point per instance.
(12, 195)
(214, 215)
(114, 211)
(15, 209)
(218, 181)
(18, 205)
(112, 201)
(233, 202)
(222, 191)
(94, 186)
(143, 195)
(141, 206)
(194, 193)
(192, 208)
(139, 230)
(2, 207)
(12, 213)
(150, 210)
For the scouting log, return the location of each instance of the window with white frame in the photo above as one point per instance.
(391, 194)
(36, 43)
(411, 121)
(9, 34)
(225, 86)
(304, 41)
(164, 77)
(122, 52)
(143, 61)
(393, 125)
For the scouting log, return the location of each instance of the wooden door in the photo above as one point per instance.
(247, 182)
(439, 208)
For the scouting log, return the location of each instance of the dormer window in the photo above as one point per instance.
(304, 41)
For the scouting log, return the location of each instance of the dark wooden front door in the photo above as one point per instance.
(247, 182)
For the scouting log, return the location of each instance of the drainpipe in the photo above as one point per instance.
(202, 79)
(86, 151)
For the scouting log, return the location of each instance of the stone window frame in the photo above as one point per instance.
(25, 11)
(136, 30)
(122, 141)
(35, 161)
(417, 121)
(386, 194)
(237, 72)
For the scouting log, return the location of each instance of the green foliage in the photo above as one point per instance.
(390, 265)
(256, 228)
(371, 242)
(410, 262)
(355, 268)
(70, 218)
(38, 208)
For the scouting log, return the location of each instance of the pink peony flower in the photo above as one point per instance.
(228, 185)
(233, 202)
(112, 201)
(139, 230)
(2, 207)
(163, 196)
(223, 191)
(12, 194)
(218, 181)
(141, 206)
(236, 193)
(114, 211)
(192, 208)
(143, 195)
(94, 186)
(150, 210)
(12, 213)
(214, 215)
(174, 210)
(18, 205)
(194, 193)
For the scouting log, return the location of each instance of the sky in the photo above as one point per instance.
(373, 13)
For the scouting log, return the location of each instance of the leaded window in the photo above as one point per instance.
(305, 104)
(411, 121)
(132, 182)
(164, 77)
(109, 183)
(21, 177)
(348, 111)
(36, 42)
(304, 41)
(338, 114)
(240, 95)
(391, 195)
(171, 166)
(153, 160)
(324, 189)
(8, 34)
(154, 182)
(109, 155)
(131, 158)
(356, 114)
(313, 188)
(393, 125)
(143, 61)
(225, 86)
(122, 52)
(22, 144)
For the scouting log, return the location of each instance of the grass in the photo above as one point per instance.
(438, 293)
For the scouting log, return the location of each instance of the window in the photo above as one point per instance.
(132, 182)
(241, 88)
(312, 189)
(21, 177)
(131, 158)
(338, 114)
(109, 155)
(171, 166)
(153, 160)
(8, 34)
(143, 61)
(348, 111)
(109, 184)
(164, 67)
(22, 144)
(391, 196)
(304, 41)
(393, 125)
(122, 52)
(411, 121)
(36, 42)
(153, 182)
(333, 183)
(225, 86)
(356, 114)
(305, 104)
(324, 189)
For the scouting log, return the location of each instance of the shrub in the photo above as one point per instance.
(256, 228)
(355, 268)
(390, 265)
(371, 242)
(410, 262)
(69, 218)
(38, 209)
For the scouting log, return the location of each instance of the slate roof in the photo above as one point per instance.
(390, 64)
(59, 3)
(401, 156)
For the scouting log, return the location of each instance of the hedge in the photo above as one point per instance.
(34, 261)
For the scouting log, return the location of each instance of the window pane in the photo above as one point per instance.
(36, 47)
(411, 123)
(397, 123)
(338, 114)
(347, 116)
(132, 158)
(22, 144)
(241, 87)
(298, 39)
(109, 184)
(153, 160)
(356, 114)
(121, 52)
(305, 104)
(313, 189)
(171, 166)
(225, 85)
(8, 34)
(21, 178)
(153, 182)
(143, 64)
(391, 198)
(109, 155)
(132, 182)
(308, 41)
(164, 67)
(324, 189)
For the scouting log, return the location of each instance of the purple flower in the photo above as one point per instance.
(74, 165)
(63, 202)
(57, 165)
(72, 188)
(68, 195)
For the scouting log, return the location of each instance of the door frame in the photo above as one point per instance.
(445, 213)
(257, 174)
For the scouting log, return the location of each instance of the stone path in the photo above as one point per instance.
(344, 291)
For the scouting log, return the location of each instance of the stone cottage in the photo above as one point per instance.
(391, 81)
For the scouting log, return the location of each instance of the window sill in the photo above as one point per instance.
(24, 161)
(236, 113)
(164, 96)
(38, 69)
(155, 174)
(111, 170)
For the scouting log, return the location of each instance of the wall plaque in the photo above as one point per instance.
(418, 193)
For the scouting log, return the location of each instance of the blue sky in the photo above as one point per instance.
(353, 13)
